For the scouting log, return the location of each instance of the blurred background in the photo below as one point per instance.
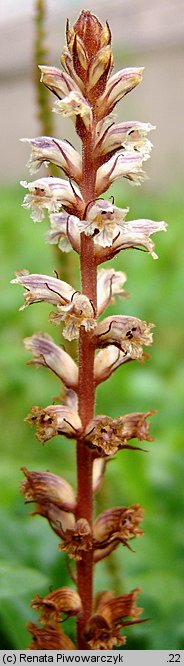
(149, 34)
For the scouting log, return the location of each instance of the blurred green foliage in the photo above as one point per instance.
(29, 558)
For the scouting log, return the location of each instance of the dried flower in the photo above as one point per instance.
(44, 487)
(77, 540)
(116, 526)
(62, 600)
(54, 420)
(107, 435)
(49, 638)
(103, 629)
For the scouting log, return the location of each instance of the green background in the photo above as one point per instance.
(30, 561)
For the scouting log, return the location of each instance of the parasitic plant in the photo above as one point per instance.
(94, 227)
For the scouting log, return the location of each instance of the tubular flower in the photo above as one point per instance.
(52, 194)
(128, 135)
(109, 284)
(117, 87)
(75, 105)
(107, 361)
(46, 149)
(77, 540)
(54, 420)
(116, 526)
(111, 614)
(62, 600)
(124, 164)
(60, 521)
(79, 312)
(46, 353)
(43, 288)
(103, 222)
(49, 638)
(64, 232)
(60, 83)
(44, 487)
(133, 234)
(99, 465)
(129, 334)
(107, 435)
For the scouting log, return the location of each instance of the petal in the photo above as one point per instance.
(54, 420)
(109, 284)
(44, 487)
(107, 361)
(125, 164)
(75, 105)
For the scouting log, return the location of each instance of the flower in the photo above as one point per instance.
(46, 149)
(103, 628)
(52, 194)
(133, 234)
(125, 332)
(117, 87)
(109, 284)
(64, 232)
(103, 222)
(46, 353)
(131, 135)
(116, 526)
(107, 360)
(43, 288)
(57, 81)
(54, 420)
(77, 540)
(79, 312)
(44, 488)
(63, 600)
(126, 164)
(99, 465)
(49, 638)
(107, 435)
(75, 105)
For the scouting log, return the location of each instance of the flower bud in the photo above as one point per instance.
(54, 420)
(44, 487)
(46, 353)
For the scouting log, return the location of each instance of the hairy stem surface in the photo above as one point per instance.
(86, 399)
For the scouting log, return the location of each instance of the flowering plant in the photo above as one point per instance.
(95, 228)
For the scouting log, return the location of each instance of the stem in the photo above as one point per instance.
(86, 400)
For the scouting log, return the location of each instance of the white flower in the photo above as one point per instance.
(46, 149)
(109, 284)
(49, 193)
(64, 232)
(75, 105)
(103, 222)
(78, 313)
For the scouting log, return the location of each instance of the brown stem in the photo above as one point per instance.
(86, 400)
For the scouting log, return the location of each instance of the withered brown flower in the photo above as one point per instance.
(111, 614)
